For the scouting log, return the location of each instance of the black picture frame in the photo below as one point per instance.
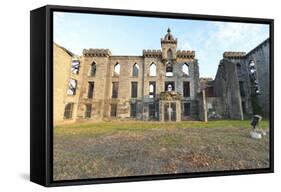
(41, 93)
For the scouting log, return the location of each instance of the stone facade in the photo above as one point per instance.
(241, 85)
(129, 87)
(62, 59)
(161, 85)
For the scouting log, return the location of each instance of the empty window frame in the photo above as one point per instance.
(116, 69)
(152, 89)
(152, 70)
(185, 69)
(93, 70)
(75, 64)
(170, 86)
(253, 70)
(133, 110)
(169, 55)
(186, 89)
(115, 86)
(113, 110)
(186, 109)
(152, 111)
(135, 70)
(134, 90)
(91, 86)
(239, 70)
(169, 69)
(88, 111)
(241, 87)
(244, 106)
(72, 84)
(68, 110)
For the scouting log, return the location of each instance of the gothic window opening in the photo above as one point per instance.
(134, 90)
(253, 76)
(88, 111)
(115, 86)
(169, 69)
(185, 69)
(169, 86)
(93, 69)
(113, 111)
(133, 110)
(135, 70)
(169, 55)
(72, 84)
(186, 89)
(91, 86)
(252, 69)
(68, 111)
(239, 70)
(75, 64)
(152, 89)
(117, 69)
(152, 70)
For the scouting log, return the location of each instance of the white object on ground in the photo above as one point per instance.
(255, 135)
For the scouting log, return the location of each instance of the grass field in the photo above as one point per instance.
(112, 149)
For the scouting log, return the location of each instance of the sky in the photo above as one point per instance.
(128, 35)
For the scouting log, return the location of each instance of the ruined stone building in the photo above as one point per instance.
(161, 85)
(157, 85)
(241, 85)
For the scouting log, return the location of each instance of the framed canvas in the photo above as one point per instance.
(125, 95)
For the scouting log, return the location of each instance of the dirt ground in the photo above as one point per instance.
(127, 149)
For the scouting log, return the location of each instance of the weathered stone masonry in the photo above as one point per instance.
(241, 85)
(161, 85)
(156, 71)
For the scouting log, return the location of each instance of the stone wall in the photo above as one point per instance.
(62, 70)
(261, 56)
(233, 76)
(226, 86)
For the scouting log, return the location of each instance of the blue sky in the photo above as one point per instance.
(125, 35)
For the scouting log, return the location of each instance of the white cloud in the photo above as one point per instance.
(218, 37)
(236, 35)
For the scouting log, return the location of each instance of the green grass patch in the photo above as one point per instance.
(109, 127)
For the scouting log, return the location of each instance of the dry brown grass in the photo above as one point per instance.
(139, 148)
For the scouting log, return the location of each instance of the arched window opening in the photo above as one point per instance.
(253, 77)
(68, 111)
(185, 69)
(152, 89)
(117, 69)
(252, 69)
(239, 71)
(169, 69)
(169, 55)
(152, 70)
(135, 70)
(93, 69)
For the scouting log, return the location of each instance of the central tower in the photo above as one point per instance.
(169, 48)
